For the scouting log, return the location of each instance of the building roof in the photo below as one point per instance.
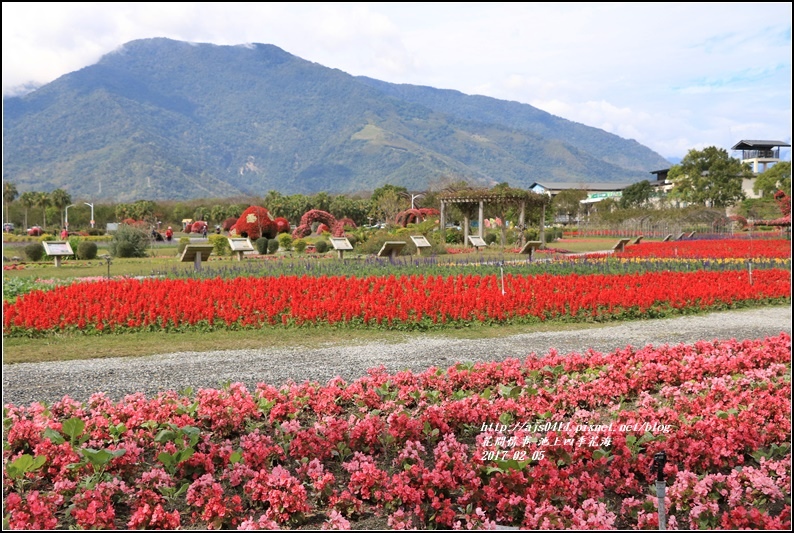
(755, 145)
(562, 186)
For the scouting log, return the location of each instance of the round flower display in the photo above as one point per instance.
(256, 222)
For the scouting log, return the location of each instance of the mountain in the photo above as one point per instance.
(163, 119)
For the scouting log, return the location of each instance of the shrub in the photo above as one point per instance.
(261, 245)
(183, 241)
(322, 246)
(220, 244)
(34, 251)
(454, 236)
(129, 241)
(86, 250)
(299, 245)
(285, 241)
(375, 243)
(531, 234)
(272, 246)
(490, 238)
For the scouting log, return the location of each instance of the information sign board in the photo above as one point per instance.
(621, 245)
(477, 241)
(57, 249)
(421, 242)
(196, 253)
(529, 248)
(241, 244)
(391, 248)
(341, 244)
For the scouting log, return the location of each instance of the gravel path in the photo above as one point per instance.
(28, 382)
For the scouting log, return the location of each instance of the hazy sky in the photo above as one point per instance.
(673, 76)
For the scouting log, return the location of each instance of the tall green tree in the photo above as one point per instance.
(28, 200)
(389, 204)
(9, 194)
(775, 178)
(60, 199)
(567, 202)
(709, 177)
(380, 191)
(43, 201)
(636, 195)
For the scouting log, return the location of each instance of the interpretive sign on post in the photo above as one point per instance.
(621, 245)
(690, 235)
(668, 238)
(57, 249)
(421, 242)
(529, 248)
(391, 249)
(196, 253)
(638, 240)
(240, 245)
(477, 241)
(341, 244)
(680, 236)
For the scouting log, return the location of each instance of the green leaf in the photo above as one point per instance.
(53, 436)
(167, 459)
(165, 435)
(100, 458)
(23, 464)
(73, 427)
(598, 454)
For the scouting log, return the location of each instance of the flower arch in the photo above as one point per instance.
(412, 216)
(304, 229)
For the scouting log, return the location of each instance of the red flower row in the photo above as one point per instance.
(156, 304)
(711, 249)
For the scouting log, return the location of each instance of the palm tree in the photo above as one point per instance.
(9, 194)
(43, 201)
(27, 199)
(60, 199)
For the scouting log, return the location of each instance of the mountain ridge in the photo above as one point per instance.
(164, 119)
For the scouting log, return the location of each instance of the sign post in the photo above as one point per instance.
(57, 249)
(341, 244)
(240, 245)
(391, 249)
(477, 241)
(529, 249)
(421, 242)
(196, 253)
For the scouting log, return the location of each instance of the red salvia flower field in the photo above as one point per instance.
(172, 304)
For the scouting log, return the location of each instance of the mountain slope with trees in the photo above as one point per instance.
(163, 119)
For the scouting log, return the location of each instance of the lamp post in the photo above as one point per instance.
(66, 220)
(92, 212)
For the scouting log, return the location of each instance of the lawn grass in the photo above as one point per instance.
(66, 347)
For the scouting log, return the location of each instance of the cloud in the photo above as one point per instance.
(667, 74)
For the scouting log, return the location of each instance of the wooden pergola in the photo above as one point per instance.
(480, 197)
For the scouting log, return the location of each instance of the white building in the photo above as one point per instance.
(761, 155)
